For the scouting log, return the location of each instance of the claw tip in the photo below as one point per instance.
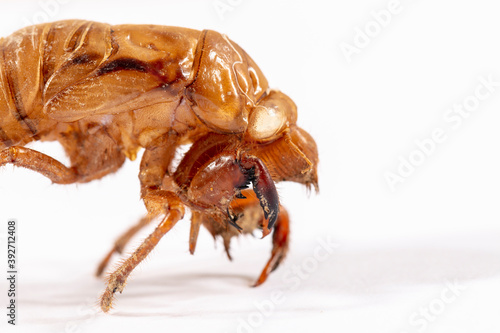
(265, 231)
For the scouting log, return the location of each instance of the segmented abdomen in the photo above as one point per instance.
(69, 70)
(19, 87)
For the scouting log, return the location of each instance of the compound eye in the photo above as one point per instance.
(271, 116)
(266, 122)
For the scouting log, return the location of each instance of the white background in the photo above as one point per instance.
(430, 246)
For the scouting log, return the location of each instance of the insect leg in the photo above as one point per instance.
(154, 171)
(92, 152)
(154, 167)
(245, 207)
(264, 188)
(34, 160)
(280, 246)
(116, 281)
(121, 242)
(196, 220)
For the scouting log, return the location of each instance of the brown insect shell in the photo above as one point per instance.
(227, 84)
